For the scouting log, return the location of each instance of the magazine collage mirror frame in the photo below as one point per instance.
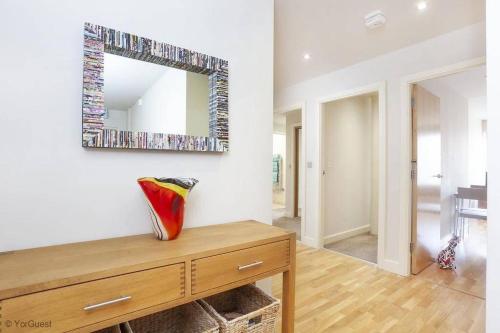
(99, 40)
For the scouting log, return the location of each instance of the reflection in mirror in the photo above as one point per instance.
(146, 97)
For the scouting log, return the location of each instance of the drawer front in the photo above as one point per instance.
(212, 272)
(71, 307)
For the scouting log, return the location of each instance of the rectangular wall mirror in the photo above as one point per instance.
(143, 94)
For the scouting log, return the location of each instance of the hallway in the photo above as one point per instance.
(361, 246)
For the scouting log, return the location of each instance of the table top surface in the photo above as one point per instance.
(27, 271)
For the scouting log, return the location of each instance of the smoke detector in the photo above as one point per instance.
(375, 19)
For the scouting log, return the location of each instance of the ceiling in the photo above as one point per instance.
(126, 80)
(469, 84)
(333, 31)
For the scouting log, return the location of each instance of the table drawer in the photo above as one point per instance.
(71, 307)
(219, 270)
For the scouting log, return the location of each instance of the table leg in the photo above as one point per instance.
(288, 311)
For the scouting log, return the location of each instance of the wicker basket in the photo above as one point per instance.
(187, 318)
(112, 329)
(243, 310)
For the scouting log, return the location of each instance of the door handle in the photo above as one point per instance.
(438, 176)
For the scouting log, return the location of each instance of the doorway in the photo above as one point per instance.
(353, 176)
(449, 178)
(288, 170)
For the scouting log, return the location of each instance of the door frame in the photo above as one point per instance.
(406, 151)
(296, 170)
(380, 89)
(283, 111)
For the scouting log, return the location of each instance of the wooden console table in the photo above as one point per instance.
(87, 286)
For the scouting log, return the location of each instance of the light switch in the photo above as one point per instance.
(309, 165)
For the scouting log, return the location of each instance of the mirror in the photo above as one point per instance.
(146, 97)
(139, 93)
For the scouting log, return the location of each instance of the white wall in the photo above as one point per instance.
(477, 141)
(454, 119)
(54, 191)
(279, 123)
(293, 119)
(348, 162)
(493, 81)
(460, 45)
(162, 108)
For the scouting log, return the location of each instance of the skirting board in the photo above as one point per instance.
(392, 266)
(309, 241)
(346, 234)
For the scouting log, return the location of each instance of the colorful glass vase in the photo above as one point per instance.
(166, 198)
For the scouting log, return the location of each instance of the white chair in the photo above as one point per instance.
(467, 200)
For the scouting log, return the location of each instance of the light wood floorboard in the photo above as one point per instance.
(335, 293)
(470, 274)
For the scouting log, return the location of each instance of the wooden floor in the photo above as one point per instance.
(336, 293)
(470, 275)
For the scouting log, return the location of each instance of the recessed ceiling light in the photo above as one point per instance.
(422, 5)
(307, 56)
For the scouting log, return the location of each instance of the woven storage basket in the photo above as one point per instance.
(112, 329)
(243, 310)
(187, 318)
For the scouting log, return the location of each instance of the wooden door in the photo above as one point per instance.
(426, 178)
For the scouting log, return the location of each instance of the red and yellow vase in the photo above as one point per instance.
(166, 198)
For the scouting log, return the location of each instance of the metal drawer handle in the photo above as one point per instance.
(103, 304)
(255, 264)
